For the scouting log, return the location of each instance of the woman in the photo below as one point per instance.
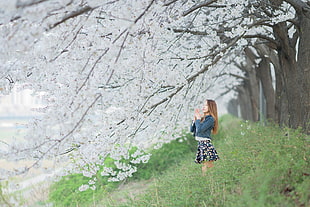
(202, 127)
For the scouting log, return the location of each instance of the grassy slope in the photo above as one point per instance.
(259, 166)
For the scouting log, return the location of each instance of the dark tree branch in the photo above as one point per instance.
(121, 48)
(54, 11)
(226, 92)
(73, 14)
(240, 66)
(120, 35)
(116, 86)
(20, 4)
(70, 43)
(112, 2)
(260, 36)
(135, 21)
(110, 77)
(143, 13)
(190, 79)
(57, 142)
(165, 99)
(170, 2)
(137, 129)
(84, 67)
(299, 5)
(92, 69)
(189, 31)
(236, 76)
(217, 56)
(180, 36)
(194, 8)
(148, 98)
(261, 22)
(217, 6)
(294, 22)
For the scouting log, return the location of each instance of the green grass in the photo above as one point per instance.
(259, 166)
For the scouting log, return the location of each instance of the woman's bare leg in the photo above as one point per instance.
(205, 166)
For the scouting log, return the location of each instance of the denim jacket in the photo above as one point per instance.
(203, 129)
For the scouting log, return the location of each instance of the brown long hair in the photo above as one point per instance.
(213, 112)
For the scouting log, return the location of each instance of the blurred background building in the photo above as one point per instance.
(18, 105)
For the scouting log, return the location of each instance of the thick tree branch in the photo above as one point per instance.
(260, 36)
(261, 22)
(294, 22)
(298, 5)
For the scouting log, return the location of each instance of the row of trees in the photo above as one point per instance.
(122, 73)
(285, 52)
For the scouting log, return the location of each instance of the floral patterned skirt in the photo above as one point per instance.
(206, 152)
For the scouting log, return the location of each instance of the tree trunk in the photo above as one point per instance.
(264, 74)
(303, 70)
(252, 83)
(287, 78)
(244, 102)
(280, 107)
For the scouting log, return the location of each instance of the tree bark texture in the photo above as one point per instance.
(287, 79)
(293, 74)
(252, 83)
(244, 102)
(264, 75)
(303, 69)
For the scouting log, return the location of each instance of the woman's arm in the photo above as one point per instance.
(208, 123)
(193, 127)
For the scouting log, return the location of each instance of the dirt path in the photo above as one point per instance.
(126, 192)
